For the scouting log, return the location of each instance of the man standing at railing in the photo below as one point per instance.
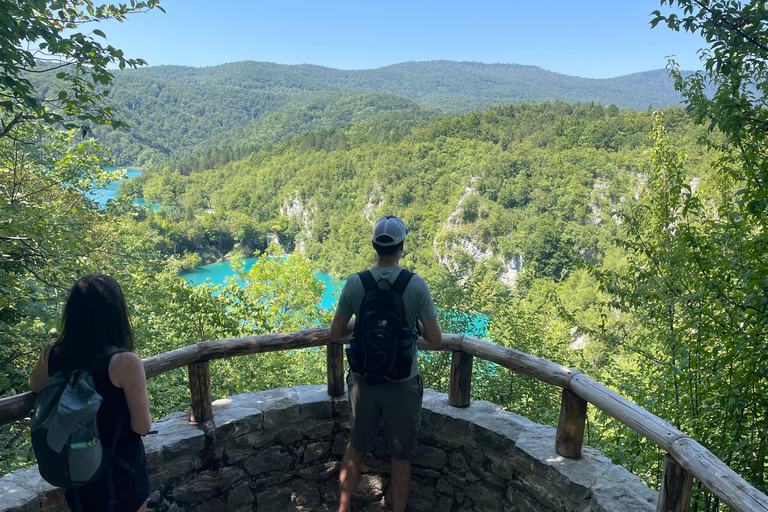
(384, 381)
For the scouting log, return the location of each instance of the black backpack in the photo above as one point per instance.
(380, 349)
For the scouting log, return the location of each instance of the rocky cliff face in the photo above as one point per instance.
(295, 209)
(456, 240)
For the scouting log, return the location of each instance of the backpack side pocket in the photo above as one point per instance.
(84, 460)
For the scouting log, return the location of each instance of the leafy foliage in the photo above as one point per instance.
(51, 232)
(50, 229)
(694, 281)
(692, 294)
(41, 36)
(736, 70)
(276, 294)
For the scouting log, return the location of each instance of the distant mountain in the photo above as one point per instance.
(453, 87)
(176, 110)
(460, 87)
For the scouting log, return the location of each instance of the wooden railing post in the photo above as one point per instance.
(570, 427)
(200, 391)
(335, 361)
(676, 487)
(460, 386)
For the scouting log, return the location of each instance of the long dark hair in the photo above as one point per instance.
(95, 321)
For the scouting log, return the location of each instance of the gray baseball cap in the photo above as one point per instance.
(389, 231)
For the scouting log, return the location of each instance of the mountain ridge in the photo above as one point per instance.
(184, 109)
(489, 78)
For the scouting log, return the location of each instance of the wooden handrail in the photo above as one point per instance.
(231, 347)
(520, 362)
(682, 451)
(16, 407)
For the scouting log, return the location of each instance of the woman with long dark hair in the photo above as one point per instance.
(97, 335)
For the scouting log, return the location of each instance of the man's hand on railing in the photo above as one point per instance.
(342, 327)
(431, 332)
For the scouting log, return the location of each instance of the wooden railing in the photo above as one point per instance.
(685, 458)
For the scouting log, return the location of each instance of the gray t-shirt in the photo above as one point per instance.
(416, 299)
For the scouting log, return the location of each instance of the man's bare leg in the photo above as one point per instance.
(351, 467)
(401, 484)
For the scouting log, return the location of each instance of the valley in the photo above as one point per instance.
(616, 225)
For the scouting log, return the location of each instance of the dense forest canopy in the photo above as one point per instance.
(529, 181)
(172, 111)
(625, 242)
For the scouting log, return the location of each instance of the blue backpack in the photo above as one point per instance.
(65, 432)
(382, 342)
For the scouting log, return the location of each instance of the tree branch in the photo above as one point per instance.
(54, 68)
(704, 6)
(8, 127)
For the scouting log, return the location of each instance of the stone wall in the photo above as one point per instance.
(280, 450)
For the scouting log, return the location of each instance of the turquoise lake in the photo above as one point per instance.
(102, 195)
(217, 272)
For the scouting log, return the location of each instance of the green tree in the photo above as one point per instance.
(49, 232)
(730, 94)
(275, 295)
(728, 269)
(692, 307)
(43, 36)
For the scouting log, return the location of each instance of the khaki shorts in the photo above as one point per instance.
(398, 404)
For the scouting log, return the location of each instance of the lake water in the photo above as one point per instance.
(217, 272)
(102, 195)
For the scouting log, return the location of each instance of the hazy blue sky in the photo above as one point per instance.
(591, 38)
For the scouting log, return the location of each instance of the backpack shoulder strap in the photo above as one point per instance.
(402, 281)
(367, 279)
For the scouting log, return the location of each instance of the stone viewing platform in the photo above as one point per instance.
(280, 450)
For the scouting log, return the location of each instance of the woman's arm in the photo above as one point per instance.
(126, 371)
(38, 379)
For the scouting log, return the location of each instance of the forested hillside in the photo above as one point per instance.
(460, 87)
(453, 87)
(535, 183)
(170, 120)
(173, 111)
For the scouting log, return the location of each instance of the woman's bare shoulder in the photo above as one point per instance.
(124, 365)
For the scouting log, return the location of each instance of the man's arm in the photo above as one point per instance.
(341, 326)
(430, 331)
